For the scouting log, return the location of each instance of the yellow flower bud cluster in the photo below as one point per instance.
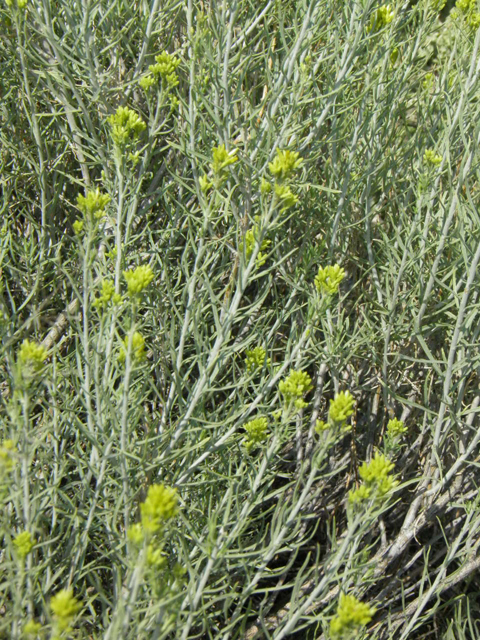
(286, 197)
(64, 607)
(256, 433)
(32, 355)
(467, 9)
(23, 544)
(32, 628)
(351, 616)
(341, 408)
(138, 279)
(93, 204)
(282, 168)
(160, 506)
(376, 480)
(108, 294)
(380, 18)
(78, 226)
(138, 348)
(428, 81)
(256, 358)
(21, 4)
(249, 244)
(395, 428)
(155, 556)
(221, 160)
(285, 164)
(294, 387)
(165, 67)
(328, 279)
(126, 126)
(431, 158)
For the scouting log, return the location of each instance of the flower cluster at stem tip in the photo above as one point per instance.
(108, 294)
(286, 197)
(64, 607)
(294, 387)
(396, 428)
(285, 164)
(165, 68)
(431, 158)
(126, 126)
(428, 81)
(250, 239)
(32, 628)
(380, 18)
(23, 544)
(341, 408)
(328, 279)
(256, 358)
(351, 616)
(221, 160)
(32, 355)
(256, 433)
(93, 203)
(467, 9)
(138, 279)
(376, 480)
(138, 348)
(282, 168)
(160, 506)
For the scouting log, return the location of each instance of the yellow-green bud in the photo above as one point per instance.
(78, 226)
(328, 279)
(205, 183)
(351, 616)
(138, 348)
(256, 432)
(138, 279)
(380, 18)
(256, 358)
(341, 407)
(160, 506)
(64, 607)
(93, 203)
(155, 557)
(32, 355)
(135, 533)
(222, 159)
(431, 158)
(294, 387)
(284, 164)
(23, 543)
(395, 428)
(146, 82)
(356, 496)
(126, 126)
(286, 197)
(108, 293)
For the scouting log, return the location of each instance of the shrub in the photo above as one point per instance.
(239, 318)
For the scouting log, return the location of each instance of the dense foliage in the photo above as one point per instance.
(239, 319)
